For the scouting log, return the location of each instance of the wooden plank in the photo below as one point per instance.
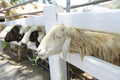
(58, 69)
(95, 67)
(31, 21)
(107, 21)
(14, 6)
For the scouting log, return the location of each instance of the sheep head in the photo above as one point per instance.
(13, 34)
(54, 42)
(32, 36)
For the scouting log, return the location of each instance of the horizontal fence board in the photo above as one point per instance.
(31, 21)
(95, 67)
(101, 21)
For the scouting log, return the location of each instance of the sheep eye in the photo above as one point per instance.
(62, 30)
(57, 37)
(19, 37)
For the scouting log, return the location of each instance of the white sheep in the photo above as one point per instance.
(38, 33)
(9, 34)
(105, 46)
(5, 31)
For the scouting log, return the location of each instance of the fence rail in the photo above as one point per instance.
(30, 13)
(68, 7)
(19, 14)
(17, 5)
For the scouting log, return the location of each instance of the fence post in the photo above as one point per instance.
(57, 66)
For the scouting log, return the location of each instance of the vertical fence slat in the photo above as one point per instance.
(57, 66)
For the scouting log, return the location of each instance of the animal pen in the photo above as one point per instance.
(101, 21)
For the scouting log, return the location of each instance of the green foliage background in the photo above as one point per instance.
(16, 1)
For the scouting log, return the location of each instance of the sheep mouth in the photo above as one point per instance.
(24, 46)
(42, 55)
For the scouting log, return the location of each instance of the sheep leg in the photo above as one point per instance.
(19, 54)
(65, 48)
(14, 47)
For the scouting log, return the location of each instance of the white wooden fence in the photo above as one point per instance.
(108, 21)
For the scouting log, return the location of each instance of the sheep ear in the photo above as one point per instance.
(61, 25)
(58, 37)
(40, 28)
(65, 48)
(18, 26)
(28, 28)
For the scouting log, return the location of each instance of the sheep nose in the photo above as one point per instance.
(23, 45)
(38, 51)
(40, 54)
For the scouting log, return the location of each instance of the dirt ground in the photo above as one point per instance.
(24, 70)
(27, 70)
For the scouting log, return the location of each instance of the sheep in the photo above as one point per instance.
(5, 4)
(103, 45)
(33, 36)
(11, 12)
(3, 34)
(14, 33)
(5, 31)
